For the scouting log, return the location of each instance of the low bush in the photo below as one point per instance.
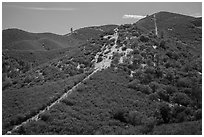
(153, 97)
(7, 83)
(124, 48)
(162, 93)
(134, 84)
(164, 111)
(68, 102)
(154, 86)
(178, 114)
(149, 125)
(21, 130)
(171, 89)
(181, 98)
(144, 38)
(44, 116)
(162, 44)
(18, 119)
(146, 78)
(183, 82)
(198, 114)
(135, 118)
(99, 59)
(120, 115)
(28, 79)
(145, 89)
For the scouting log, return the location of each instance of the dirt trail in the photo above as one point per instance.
(105, 63)
(36, 117)
(155, 24)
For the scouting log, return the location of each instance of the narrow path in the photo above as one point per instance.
(155, 24)
(98, 67)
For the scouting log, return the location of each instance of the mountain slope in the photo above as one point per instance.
(128, 81)
(181, 27)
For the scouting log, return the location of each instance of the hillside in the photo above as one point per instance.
(23, 51)
(124, 80)
(185, 29)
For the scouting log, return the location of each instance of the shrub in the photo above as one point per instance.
(153, 97)
(124, 48)
(135, 34)
(197, 95)
(136, 51)
(158, 73)
(183, 82)
(145, 89)
(198, 114)
(68, 102)
(149, 124)
(146, 78)
(162, 44)
(99, 59)
(150, 70)
(4, 77)
(170, 75)
(154, 86)
(7, 83)
(143, 38)
(120, 115)
(178, 114)
(45, 116)
(181, 117)
(165, 110)
(81, 88)
(135, 117)
(21, 130)
(134, 84)
(181, 98)
(162, 93)
(28, 79)
(171, 89)
(162, 34)
(17, 120)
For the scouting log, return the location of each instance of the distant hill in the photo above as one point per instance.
(15, 39)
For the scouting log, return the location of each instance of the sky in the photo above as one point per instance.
(59, 17)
